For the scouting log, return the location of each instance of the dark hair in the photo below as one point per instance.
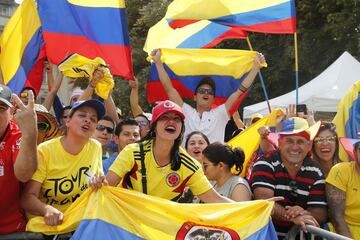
(356, 145)
(174, 153)
(196, 133)
(206, 80)
(127, 121)
(31, 89)
(218, 152)
(332, 128)
(109, 119)
(143, 115)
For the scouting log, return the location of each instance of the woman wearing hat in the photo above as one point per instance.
(158, 166)
(65, 164)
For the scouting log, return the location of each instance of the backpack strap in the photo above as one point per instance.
(143, 169)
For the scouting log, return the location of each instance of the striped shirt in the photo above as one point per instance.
(306, 190)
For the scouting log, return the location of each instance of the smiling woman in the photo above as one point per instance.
(65, 164)
(158, 166)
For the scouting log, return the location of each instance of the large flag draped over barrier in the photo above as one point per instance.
(186, 67)
(347, 119)
(115, 213)
(202, 34)
(22, 49)
(89, 28)
(249, 139)
(267, 16)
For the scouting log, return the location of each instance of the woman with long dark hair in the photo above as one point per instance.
(218, 160)
(158, 166)
(325, 147)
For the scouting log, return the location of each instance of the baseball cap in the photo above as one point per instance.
(165, 107)
(299, 126)
(5, 95)
(95, 104)
(53, 130)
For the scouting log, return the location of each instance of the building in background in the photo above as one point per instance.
(7, 8)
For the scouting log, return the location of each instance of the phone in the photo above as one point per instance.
(301, 108)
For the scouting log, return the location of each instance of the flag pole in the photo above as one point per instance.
(261, 79)
(296, 68)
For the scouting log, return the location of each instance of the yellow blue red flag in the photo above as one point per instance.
(249, 139)
(91, 28)
(201, 34)
(267, 16)
(22, 49)
(347, 119)
(186, 67)
(116, 213)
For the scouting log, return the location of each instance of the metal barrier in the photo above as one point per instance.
(314, 232)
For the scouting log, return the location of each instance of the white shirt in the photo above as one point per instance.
(211, 123)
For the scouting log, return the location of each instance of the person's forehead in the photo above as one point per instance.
(293, 138)
(205, 85)
(105, 122)
(130, 128)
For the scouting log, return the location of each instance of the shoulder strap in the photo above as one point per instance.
(143, 169)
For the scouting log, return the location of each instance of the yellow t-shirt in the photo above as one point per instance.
(65, 176)
(345, 177)
(161, 181)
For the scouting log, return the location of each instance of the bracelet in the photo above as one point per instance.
(242, 88)
(92, 85)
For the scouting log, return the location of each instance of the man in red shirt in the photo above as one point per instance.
(16, 164)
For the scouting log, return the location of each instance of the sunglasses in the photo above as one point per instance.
(205, 90)
(43, 126)
(142, 123)
(320, 140)
(102, 128)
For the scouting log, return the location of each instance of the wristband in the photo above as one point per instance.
(242, 88)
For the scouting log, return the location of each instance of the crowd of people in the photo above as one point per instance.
(177, 152)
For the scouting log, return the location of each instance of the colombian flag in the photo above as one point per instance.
(186, 67)
(201, 34)
(91, 28)
(347, 119)
(116, 213)
(249, 139)
(22, 49)
(267, 16)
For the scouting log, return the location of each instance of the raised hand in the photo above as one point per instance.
(25, 115)
(134, 84)
(156, 55)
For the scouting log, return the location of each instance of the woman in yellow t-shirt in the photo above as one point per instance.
(169, 169)
(65, 165)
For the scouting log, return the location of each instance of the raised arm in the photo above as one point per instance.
(259, 59)
(88, 92)
(56, 83)
(27, 160)
(134, 98)
(336, 203)
(111, 108)
(172, 93)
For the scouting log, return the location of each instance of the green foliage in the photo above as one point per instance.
(325, 28)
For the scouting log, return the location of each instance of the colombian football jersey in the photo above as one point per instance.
(65, 176)
(161, 181)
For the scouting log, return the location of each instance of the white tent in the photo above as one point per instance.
(323, 93)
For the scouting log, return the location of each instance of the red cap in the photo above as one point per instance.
(165, 107)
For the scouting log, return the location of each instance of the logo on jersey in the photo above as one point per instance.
(190, 230)
(173, 179)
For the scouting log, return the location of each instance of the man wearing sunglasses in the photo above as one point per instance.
(126, 132)
(104, 133)
(17, 165)
(289, 172)
(204, 118)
